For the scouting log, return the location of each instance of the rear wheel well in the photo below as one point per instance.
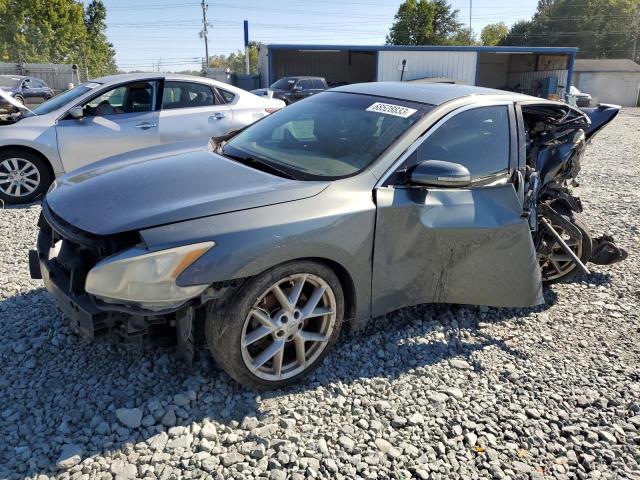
(35, 152)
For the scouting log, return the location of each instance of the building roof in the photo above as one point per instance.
(430, 93)
(606, 65)
(451, 48)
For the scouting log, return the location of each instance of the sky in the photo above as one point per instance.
(145, 32)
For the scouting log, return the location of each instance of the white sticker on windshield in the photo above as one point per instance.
(389, 109)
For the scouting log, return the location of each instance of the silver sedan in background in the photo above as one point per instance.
(114, 115)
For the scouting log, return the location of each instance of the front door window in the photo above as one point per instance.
(130, 98)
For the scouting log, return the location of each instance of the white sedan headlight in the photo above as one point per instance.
(146, 279)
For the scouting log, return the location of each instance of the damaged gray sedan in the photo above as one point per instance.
(339, 208)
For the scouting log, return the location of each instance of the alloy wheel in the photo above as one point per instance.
(18, 177)
(554, 261)
(288, 327)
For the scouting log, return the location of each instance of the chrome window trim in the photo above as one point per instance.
(418, 142)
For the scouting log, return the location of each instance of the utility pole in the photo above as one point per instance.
(205, 7)
(246, 48)
(470, 11)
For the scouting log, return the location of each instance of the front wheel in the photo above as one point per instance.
(279, 326)
(555, 265)
(24, 176)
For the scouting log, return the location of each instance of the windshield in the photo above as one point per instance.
(64, 98)
(328, 136)
(8, 81)
(284, 84)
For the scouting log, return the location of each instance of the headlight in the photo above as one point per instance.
(147, 279)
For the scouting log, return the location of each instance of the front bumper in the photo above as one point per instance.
(85, 317)
(62, 259)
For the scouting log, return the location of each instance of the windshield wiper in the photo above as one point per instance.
(259, 165)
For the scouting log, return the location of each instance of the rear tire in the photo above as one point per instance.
(24, 176)
(563, 270)
(267, 340)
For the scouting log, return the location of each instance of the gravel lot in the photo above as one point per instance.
(428, 392)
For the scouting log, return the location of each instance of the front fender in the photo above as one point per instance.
(41, 141)
(338, 228)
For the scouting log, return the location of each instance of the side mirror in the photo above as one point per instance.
(76, 112)
(438, 173)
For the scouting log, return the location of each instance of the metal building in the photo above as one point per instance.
(609, 80)
(541, 71)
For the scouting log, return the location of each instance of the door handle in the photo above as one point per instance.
(146, 125)
(218, 116)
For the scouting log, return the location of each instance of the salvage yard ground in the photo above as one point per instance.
(433, 392)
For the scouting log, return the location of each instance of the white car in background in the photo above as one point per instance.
(114, 115)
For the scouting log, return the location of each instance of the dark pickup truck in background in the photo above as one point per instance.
(292, 89)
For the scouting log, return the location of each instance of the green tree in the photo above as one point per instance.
(99, 52)
(55, 31)
(424, 22)
(599, 28)
(493, 33)
(464, 36)
(235, 61)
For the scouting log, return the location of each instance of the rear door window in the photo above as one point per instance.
(226, 96)
(186, 95)
(318, 84)
(305, 84)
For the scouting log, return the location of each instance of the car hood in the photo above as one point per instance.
(143, 191)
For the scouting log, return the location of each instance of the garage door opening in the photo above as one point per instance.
(338, 67)
(530, 73)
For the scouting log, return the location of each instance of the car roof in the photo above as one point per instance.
(429, 93)
(127, 77)
(132, 77)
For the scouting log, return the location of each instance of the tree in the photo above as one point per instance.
(424, 22)
(99, 53)
(493, 33)
(56, 31)
(599, 28)
(464, 36)
(235, 61)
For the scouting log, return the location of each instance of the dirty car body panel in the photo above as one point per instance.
(394, 243)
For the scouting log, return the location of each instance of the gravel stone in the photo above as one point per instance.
(431, 391)
(130, 417)
(209, 431)
(70, 456)
(346, 442)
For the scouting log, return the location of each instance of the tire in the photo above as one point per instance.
(550, 274)
(34, 182)
(19, 99)
(233, 322)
